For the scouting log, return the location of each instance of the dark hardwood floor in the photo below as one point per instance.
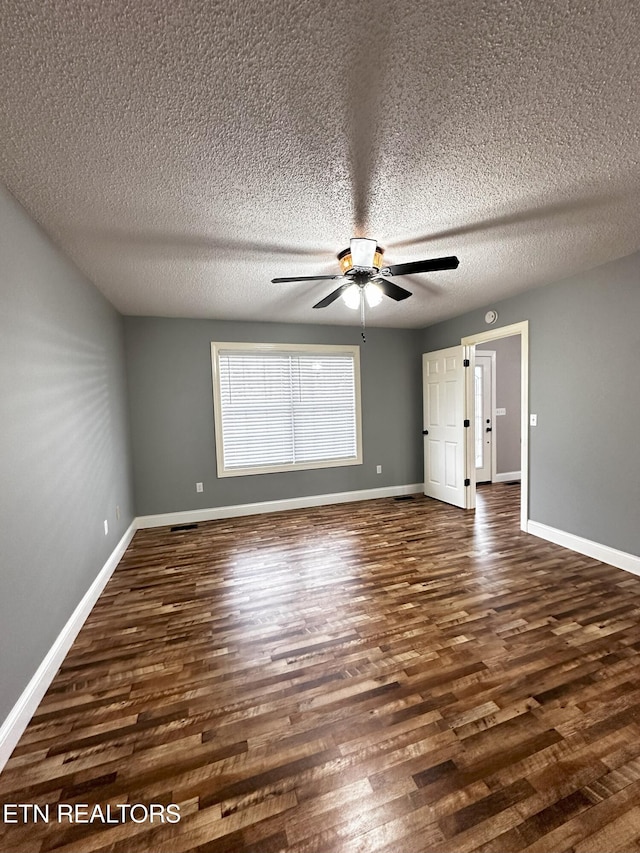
(381, 676)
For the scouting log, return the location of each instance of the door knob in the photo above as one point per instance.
(488, 429)
(425, 432)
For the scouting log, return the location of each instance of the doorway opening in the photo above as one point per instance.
(485, 456)
(484, 400)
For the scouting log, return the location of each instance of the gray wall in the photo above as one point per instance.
(171, 408)
(64, 449)
(507, 427)
(584, 461)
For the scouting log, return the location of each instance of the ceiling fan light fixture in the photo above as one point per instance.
(344, 258)
(365, 254)
(351, 296)
(373, 293)
(345, 261)
(362, 252)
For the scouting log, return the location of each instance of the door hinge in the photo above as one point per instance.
(466, 362)
(467, 422)
(467, 482)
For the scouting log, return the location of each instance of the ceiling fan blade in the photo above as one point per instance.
(305, 278)
(390, 288)
(432, 265)
(332, 296)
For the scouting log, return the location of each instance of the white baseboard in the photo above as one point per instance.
(212, 513)
(507, 477)
(12, 728)
(603, 553)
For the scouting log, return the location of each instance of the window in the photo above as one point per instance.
(285, 407)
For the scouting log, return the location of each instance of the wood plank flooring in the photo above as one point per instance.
(381, 676)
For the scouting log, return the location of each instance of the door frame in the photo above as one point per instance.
(521, 329)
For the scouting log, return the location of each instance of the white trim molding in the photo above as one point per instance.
(212, 513)
(14, 725)
(507, 477)
(603, 553)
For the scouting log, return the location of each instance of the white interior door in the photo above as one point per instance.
(445, 395)
(484, 432)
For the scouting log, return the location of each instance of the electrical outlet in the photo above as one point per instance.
(199, 487)
(533, 420)
(106, 527)
(378, 469)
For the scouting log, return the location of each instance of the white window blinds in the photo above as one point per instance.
(283, 409)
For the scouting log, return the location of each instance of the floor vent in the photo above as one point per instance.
(180, 527)
(404, 498)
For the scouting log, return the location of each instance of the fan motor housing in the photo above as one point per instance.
(346, 261)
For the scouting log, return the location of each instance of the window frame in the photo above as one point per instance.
(308, 349)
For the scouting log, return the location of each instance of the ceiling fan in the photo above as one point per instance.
(364, 278)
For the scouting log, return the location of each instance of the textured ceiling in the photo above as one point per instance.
(185, 152)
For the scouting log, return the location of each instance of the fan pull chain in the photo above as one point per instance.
(362, 310)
